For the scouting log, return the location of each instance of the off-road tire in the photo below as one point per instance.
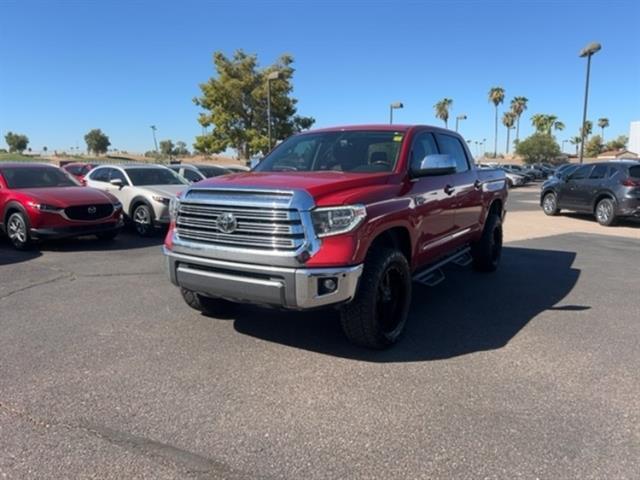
(207, 305)
(487, 251)
(360, 318)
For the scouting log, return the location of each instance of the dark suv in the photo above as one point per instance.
(608, 190)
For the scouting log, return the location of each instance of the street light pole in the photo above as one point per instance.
(270, 76)
(458, 118)
(391, 108)
(588, 52)
(155, 142)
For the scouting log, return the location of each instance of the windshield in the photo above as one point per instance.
(36, 177)
(350, 151)
(154, 176)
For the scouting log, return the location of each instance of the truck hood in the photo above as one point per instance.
(68, 196)
(317, 184)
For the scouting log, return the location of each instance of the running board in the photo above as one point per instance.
(433, 275)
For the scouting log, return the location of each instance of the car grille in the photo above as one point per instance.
(259, 225)
(89, 212)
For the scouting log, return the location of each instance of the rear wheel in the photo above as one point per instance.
(377, 315)
(606, 212)
(206, 305)
(550, 204)
(487, 251)
(143, 220)
(18, 231)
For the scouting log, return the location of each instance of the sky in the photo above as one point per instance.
(69, 66)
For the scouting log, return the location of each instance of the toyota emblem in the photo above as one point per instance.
(92, 210)
(227, 223)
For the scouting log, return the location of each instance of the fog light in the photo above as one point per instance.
(327, 285)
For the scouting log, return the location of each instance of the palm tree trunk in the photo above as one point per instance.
(518, 128)
(508, 130)
(495, 136)
(602, 136)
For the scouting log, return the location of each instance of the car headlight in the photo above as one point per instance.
(161, 199)
(336, 220)
(43, 207)
(174, 206)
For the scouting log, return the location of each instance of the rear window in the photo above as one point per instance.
(634, 172)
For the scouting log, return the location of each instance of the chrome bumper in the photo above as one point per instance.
(293, 288)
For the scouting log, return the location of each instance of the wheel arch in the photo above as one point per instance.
(137, 201)
(601, 196)
(397, 237)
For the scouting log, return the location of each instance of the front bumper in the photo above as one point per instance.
(292, 288)
(74, 231)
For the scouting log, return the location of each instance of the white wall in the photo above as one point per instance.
(634, 137)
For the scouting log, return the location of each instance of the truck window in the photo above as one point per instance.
(450, 145)
(423, 144)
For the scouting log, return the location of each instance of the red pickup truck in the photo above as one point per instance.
(344, 217)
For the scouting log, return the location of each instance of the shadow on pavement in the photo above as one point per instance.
(468, 312)
(587, 217)
(126, 240)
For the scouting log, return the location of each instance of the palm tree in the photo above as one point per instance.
(496, 96)
(557, 125)
(518, 106)
(544, 123)
(442, 110)
(577, 140)
(508, 119)
(603, 123)
(587, 129)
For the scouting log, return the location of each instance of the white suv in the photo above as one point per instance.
(144, 191)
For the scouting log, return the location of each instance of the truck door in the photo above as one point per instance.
(467, 196)
(433, 214)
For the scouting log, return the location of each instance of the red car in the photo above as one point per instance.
(39, 201)
(78, 170)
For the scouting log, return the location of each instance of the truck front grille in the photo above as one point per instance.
(261, 227)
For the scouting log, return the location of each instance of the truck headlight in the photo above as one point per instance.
(336, 220)
(174, 206)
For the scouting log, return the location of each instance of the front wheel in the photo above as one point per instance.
(550, 204)
(487, 251)
(605, 212)
(18, 231)
(143, 220)
(377, 315)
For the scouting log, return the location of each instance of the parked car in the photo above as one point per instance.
(339, 217)
(195, 173)
(565, 170)
(144, 191)
(608, 190)
(79, 170)
(40, 201)
(519, 170)
(513, 179)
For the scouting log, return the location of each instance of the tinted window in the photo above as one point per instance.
(599, 171)
(209, 171)
(342, 151)
(153, 176)
(100, 175)
(36, 177)
(451, 146)
(191, 175)
(74, 169)
(634, 172)
(581, 173)
(424, 144)
(116, 174)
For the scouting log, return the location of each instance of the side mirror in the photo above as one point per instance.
(116, 182)
(432, 165)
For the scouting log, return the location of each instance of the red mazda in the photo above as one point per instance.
(39, 201)
(79, 170)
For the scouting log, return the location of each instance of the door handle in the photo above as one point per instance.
(448, 189)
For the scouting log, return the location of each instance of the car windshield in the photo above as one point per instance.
(212, 171)
(36, 177)
(154, 176)
(342, 151)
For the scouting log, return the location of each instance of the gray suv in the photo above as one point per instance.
(609, 191)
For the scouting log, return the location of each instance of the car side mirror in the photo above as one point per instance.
(437, 164)
(117, 182)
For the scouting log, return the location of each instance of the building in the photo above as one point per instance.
(617, 154)
(634, 137)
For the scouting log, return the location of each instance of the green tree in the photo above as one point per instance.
(496, 96)
(181, 148)
(518, 106)
(618, 143)
(166, 147)
(587, 129)
(593, 147)
(508, 120)
(235, 105)
(97, 142)
(442, 110)
(538, 148)
(603, 123)
(17, 142)
(577, 140)
(544, 123)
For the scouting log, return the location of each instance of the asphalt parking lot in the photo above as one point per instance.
(531, 372)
